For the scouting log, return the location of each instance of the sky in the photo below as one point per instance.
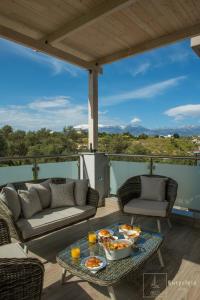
(159, 88)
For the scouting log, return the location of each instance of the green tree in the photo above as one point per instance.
(176, 135)
(3, 146)
(143, 136)
(6, 130)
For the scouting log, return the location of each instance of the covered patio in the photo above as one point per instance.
(90, 34)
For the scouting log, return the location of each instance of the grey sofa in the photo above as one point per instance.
(49, 219)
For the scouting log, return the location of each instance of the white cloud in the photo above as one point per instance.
(53, 113)
(141, 69)
(145, 92)
(50, 112)
(57, 66)
(184, 111)
(48, 103)
(136, 120)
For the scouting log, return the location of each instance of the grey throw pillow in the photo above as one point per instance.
(43, 190)
(153, 188)
(30, 202)
(80, 190)
(62, 194)
(10, 197)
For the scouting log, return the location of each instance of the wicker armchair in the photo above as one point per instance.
(131, 191)
(20, 278)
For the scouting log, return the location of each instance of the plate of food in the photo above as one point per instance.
(127, 227)
(94, 263)
(105, 233)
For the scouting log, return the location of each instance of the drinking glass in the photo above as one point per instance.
(92, 237)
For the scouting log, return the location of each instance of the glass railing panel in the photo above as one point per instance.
(15, 173)
(188, 178)
(68, 169)
(120, 171)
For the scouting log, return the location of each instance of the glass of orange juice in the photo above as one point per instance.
(75, 252)
(92, 237)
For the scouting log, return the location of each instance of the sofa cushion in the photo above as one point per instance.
(146, 207)
(30, 202)
(43, 190)
(62, 194)
(53, 218)
(153, 188)
(13, 250)
(10, 197)
(80, 190)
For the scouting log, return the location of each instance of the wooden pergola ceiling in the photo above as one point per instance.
(90, 33)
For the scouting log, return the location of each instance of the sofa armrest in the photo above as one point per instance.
(92, 197)
(21, 278)
(6, 214)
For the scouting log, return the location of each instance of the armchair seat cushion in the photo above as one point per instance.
(144, 207)
(53, 218)
(12, 250)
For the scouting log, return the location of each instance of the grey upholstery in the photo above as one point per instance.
(146, 207)
(153, 188)
(10, 197)
(80, 190)
(43, 190)
(53, 218)
(12, 250)
(30, 202)
(62, 194)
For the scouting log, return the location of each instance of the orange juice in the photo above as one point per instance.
(92, 237)
(75, 252)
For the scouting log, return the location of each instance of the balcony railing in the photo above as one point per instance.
(37, 167)
(184, 169)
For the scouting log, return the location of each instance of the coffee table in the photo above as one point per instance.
(148, 244)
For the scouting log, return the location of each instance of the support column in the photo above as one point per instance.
(93, 110)
(95, 168)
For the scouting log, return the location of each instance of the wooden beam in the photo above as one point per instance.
(195, 44)
(151, 44)
(102, 10)
(25, 40)
(93, 111)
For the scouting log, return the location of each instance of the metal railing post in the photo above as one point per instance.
(35, 170)
(79, 167)
(151, 166)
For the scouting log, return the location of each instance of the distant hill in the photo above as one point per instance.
(137, 130)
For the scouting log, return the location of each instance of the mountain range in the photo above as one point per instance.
(138, 129)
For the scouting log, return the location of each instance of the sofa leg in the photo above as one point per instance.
(169, 223)
(25, 247)
(159, 225)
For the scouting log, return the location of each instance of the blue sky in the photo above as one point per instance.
(160, 88)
